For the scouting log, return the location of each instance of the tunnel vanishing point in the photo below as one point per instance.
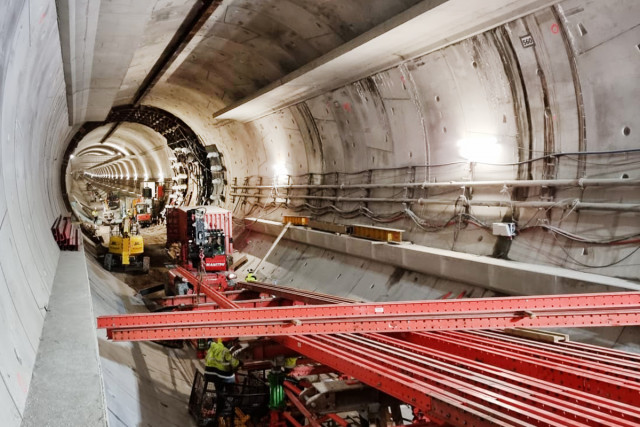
(501, 136)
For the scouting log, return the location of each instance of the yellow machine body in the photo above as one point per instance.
(126, 247)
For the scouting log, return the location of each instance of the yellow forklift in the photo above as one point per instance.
(126, 248)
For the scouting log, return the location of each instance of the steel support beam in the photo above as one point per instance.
(294, 294)
(463, 378)
(607, 309)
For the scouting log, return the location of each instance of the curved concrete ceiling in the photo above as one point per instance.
(345, 94)
(144, 151)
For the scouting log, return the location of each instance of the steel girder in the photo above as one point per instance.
(482, 377)
(603, 309)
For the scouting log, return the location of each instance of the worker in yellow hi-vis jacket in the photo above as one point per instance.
(251, 276)
(220, 367)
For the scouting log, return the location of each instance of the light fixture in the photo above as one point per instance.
(280, 174)
(480, 148)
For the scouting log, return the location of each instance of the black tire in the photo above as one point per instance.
(108, 262)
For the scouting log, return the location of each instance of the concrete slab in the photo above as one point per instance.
(66, 387)
(509, 277)
(428, 26)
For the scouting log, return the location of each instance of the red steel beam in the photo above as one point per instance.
(223, 327)
(392, 381)
(530, 307)
(447, 387)
(555, 353)
(489, 397)
(530, 312)
(617, 384)
(190, 299)
(565, 401)
(294, 294)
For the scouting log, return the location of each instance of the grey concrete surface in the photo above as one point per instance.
(428, 26)
(145, 383)
(576, 88)
(509, 277)
(363, 278)
(66, 387)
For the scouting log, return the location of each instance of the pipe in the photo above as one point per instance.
(563, 204)
(582, 182)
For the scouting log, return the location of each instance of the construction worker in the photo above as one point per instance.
(251, 276)
(94, 213)
(290, 363)
(220, 367)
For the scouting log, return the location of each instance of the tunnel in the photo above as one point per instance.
(499, 138)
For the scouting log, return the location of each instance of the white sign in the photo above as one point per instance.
(527, 41)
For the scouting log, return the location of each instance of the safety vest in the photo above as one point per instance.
(251, 277)
(220, 358)
(290, 362)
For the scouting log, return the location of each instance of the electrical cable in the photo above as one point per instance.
(575, 261)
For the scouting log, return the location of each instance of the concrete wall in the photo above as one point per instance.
(575, 90)
(33, 129)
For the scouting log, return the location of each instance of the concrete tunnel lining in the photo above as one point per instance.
(393, 117)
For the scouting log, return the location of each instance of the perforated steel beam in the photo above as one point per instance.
(609, 309)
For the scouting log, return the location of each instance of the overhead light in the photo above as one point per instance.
(280, 174)
(216, 168)
(480, 148)
(213, 154)
(71, 156)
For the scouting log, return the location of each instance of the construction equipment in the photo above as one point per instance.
(246, 400)
(142, 212)
(482, 377)
(126, 248)
(204, 236)
(113, 200)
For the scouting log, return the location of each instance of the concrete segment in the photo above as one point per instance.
(574, 89)
(426, 27)
(509, 277)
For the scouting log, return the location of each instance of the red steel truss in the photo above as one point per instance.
(479, 377)
(603, 309)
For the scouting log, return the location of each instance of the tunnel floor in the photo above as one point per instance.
(146, 384)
